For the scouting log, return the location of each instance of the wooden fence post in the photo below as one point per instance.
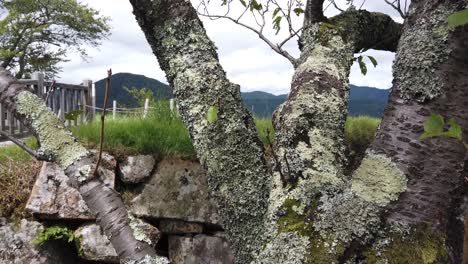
(39, 76)
(89, 99)
(145, 113)
(171, 104)
(114, 109)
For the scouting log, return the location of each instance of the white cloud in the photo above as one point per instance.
(247, 60)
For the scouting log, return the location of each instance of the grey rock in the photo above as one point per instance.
(177, 190)
(199, 249)
(136, 169)
(16, 245)
(94, 245)
(53, 198)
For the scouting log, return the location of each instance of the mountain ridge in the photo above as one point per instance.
(363, 100)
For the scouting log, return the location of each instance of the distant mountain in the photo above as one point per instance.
(363, 100)
(129, 80)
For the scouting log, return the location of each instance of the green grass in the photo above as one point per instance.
(360, 131)
(161, 133)
(13, 152)
(264, 126)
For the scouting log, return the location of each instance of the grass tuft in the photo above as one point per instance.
(17, 175)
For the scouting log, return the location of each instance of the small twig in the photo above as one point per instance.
(24, 147)
(275, 157)
(103, 117)
(51, 89)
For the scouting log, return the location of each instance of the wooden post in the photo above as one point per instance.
(39, 76)
(114, 109)
(54, 102)
(68, 103)
(75, 105)
(171, 104)
(89, 99)
(2, 118)
(82, 100)
(11, 123)
(62, 104)
(145, 113)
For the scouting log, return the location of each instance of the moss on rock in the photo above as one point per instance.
(423, 246)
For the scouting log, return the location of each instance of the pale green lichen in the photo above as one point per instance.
(416, 66)
(150, 260)
(378, 180)
(51, 133)
(344, 217)
(140, 230)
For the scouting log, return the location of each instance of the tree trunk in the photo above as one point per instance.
(222, 130)
(57, 143)
(310, 135)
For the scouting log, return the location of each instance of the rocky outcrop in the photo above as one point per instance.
(53, 198)
(137, 169)
(16, 245)
(199, 249)
(177, 190)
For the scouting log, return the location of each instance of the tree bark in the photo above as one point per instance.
(222, 130)
(310, 135)
(431, 76)
(57, 143)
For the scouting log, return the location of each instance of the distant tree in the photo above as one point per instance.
(36, 35)
(141, 95)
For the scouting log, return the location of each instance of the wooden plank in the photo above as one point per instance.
(39, 76)
(54, 101)
(75, 104)
(28, 81)
(2, 117)
(67, 86)
(11, 123)
(62, 105)
(68, 104)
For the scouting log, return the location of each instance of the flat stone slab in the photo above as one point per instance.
(53, 198)
(199, 249)
(177, 190)
(170, 226)
(16, 245)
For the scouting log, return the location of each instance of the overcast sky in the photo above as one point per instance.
(247, 60)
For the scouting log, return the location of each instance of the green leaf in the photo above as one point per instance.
(362, 65)
(455, 130)
(298, 11)
(277, 24)
(277, 10)
(433, 127)
(459, 18)
(373, 60)
(73, 115)
(243, 2)
(212, 114)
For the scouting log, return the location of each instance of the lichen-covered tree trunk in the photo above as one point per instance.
(58, 144)
(222, 130)
(425, 225)
(310, 136)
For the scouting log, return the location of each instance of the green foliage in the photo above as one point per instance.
(54, 233)
(264, 125)
(435, 127)
(459, 18)
(36, 35)
(212, 114)
(360, 131)
(140, 95)
(362, 64)
(73, 115)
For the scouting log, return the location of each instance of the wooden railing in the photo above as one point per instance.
(62, 99)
